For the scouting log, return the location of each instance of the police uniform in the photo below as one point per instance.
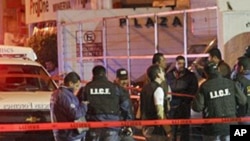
(243, 79)
(103, 97)
(126, 107)
(218, 98)
(224, 69)
(244, 83)
(127, 112)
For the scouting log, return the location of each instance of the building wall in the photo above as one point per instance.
(233, 28)
(141, 39)
(14, 29)
(1, 23)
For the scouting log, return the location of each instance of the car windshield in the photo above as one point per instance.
(25, 78)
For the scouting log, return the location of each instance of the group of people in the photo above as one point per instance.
(158, 91)
(98, 100)
(223, 94)
(165, 95)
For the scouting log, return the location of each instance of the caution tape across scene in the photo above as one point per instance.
(73, 125)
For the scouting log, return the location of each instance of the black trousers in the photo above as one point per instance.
(182, 111)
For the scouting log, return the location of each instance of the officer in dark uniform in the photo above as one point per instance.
(217, 98)
(127, 112)
(243, 79)
(105, 103)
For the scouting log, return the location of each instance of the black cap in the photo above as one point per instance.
(122, 74)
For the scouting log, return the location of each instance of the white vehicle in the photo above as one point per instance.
(25, 90)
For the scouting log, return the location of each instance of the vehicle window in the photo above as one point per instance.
(25, 78)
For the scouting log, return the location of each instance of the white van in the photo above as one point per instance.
(25, 90)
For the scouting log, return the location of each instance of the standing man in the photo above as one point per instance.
(217, 98)
(126, 108)
(181, 81)
(223, 67)
(152, 104)
(105, 104)
(243, 79)
(65, 107)
(235, 67)
(160, 60)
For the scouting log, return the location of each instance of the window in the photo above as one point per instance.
(25, 78)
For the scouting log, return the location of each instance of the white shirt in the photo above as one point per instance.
(159, 96)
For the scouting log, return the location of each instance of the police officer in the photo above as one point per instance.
(235, 67)
(104, 105)
(65, 107)
(152, 104)
(126, 109)
(243, 79)
(217, 98)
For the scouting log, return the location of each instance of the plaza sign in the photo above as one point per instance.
(149, 22)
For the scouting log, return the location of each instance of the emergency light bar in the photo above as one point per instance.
(17, 52)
